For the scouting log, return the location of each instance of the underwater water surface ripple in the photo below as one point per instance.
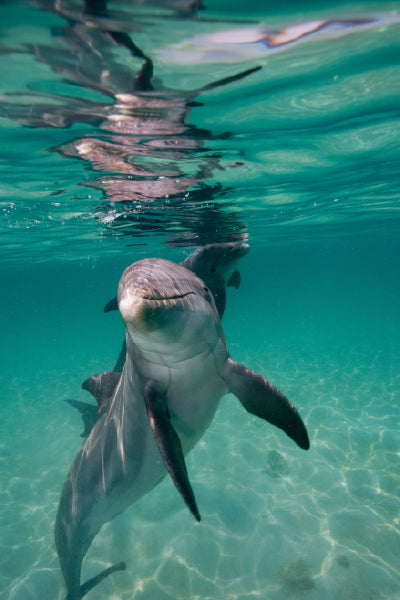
(135, 129)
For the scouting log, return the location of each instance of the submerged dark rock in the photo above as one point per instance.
(295, 578)
(277, 465)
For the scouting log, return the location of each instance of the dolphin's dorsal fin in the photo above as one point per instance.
(234, 280)
(169, 444)
(262, 399)
(89, 414)
(102, 387)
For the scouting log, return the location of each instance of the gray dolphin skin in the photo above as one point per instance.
(216, 265)
(176, 370)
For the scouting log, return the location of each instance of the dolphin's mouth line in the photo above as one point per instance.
(175, 297)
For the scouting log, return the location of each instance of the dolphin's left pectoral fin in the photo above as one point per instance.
(169, 444)
(262, 399)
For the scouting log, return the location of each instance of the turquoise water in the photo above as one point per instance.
(301, 159)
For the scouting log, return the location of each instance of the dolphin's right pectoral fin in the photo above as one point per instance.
(262, 399)
(169, 444)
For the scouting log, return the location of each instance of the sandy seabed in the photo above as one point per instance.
(277, 522)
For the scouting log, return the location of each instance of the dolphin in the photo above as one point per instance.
(216, 265)
(102, 388)
(176, 370)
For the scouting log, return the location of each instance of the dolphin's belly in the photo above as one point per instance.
(193, 390)
(193, 396)
(192, 386)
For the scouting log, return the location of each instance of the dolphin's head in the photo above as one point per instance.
(167, 309)
(217, 261)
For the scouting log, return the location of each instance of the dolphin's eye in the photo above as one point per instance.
(213, 269)
(207, 294)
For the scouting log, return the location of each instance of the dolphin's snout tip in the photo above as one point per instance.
(130, 306)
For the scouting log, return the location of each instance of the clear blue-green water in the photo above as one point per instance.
(301, 159)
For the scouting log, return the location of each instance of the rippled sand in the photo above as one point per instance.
(277, 522)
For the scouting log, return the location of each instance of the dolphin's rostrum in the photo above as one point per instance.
(176, 370)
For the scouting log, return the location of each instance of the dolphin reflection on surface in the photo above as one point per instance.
(143, 153)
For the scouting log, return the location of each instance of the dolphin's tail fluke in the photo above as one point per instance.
(91, 583)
